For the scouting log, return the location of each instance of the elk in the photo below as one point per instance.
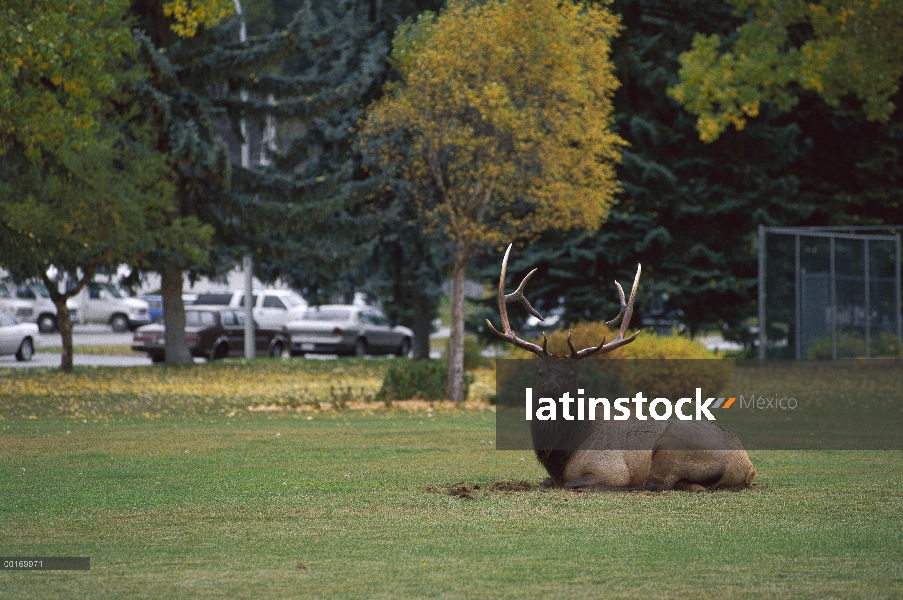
(676, 454)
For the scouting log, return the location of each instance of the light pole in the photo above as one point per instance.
(245, 163)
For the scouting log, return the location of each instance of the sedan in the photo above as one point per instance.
(346, 329)
(211, 332)
(17, 338)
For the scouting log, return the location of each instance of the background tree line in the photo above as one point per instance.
(816, 146)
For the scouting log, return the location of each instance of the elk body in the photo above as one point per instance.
(675, 454)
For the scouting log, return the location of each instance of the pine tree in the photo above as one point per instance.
(688, 211)
(330, 226)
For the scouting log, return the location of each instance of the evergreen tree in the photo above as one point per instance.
(688, 211)
(332, 227)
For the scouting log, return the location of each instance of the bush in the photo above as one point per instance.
(659, 380)
(473, 357)
(425, 379)
(647, 345)
(850, 345)
(886, 345)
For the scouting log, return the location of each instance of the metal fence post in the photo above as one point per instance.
(762, 336)
(798, 312)
(833, 292)
(868, 308)
(899, 304)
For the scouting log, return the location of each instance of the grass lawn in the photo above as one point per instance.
(177, 489)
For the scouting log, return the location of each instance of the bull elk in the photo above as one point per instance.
(676, 454)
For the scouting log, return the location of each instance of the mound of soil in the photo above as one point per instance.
(461, 489)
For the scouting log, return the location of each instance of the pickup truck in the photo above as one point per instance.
(271, 308)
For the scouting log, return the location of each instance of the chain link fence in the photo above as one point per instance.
(829, 292)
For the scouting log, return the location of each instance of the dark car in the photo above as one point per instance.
(212, 332)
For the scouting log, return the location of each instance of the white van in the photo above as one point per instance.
(30, 302)
(105, 303)
(272, 309)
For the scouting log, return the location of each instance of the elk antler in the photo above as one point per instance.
(623, 318)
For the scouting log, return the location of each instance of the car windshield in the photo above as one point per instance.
(327, 314)
(41, 290)
(292, 300)
(114, 291)
(199, 317)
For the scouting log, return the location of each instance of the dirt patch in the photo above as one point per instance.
(513, 486)
(471, 491)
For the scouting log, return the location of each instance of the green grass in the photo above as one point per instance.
(395, 503)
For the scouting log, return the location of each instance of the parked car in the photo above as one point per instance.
(154, 307)
(31, 302)
(16, 337)
(101, 302)
(211, 332)
(271, 308)
(348, 329)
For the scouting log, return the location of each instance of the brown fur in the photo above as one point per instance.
(682, 455)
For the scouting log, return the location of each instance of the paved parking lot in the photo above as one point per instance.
(52, 359)
(82, 335)
(89, 335)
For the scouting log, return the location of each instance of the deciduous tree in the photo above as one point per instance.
(835, 48)
(81, 186)
(501, 119)
(56, 67)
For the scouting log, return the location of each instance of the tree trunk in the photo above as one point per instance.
(65, 326)
(455, 387)
(63, 320)
(422, 325)
(177, 352)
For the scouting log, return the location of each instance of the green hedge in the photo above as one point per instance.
(424, 379)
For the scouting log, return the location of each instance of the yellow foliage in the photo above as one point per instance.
(656, 365)
(191, 14)
(855, 48)
(647, 345)
(506, 108)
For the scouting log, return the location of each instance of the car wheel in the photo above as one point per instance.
(157, 357)
(360, 347)
(404, 349)
(119, 323)
(26, 350)
(47, 323)
(220, 351)
(276, 350)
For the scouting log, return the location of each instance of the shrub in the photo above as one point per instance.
(661, 379)
(425, 379)
(647, 345)
(850, 345)
(886, 344)
(473, 357)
